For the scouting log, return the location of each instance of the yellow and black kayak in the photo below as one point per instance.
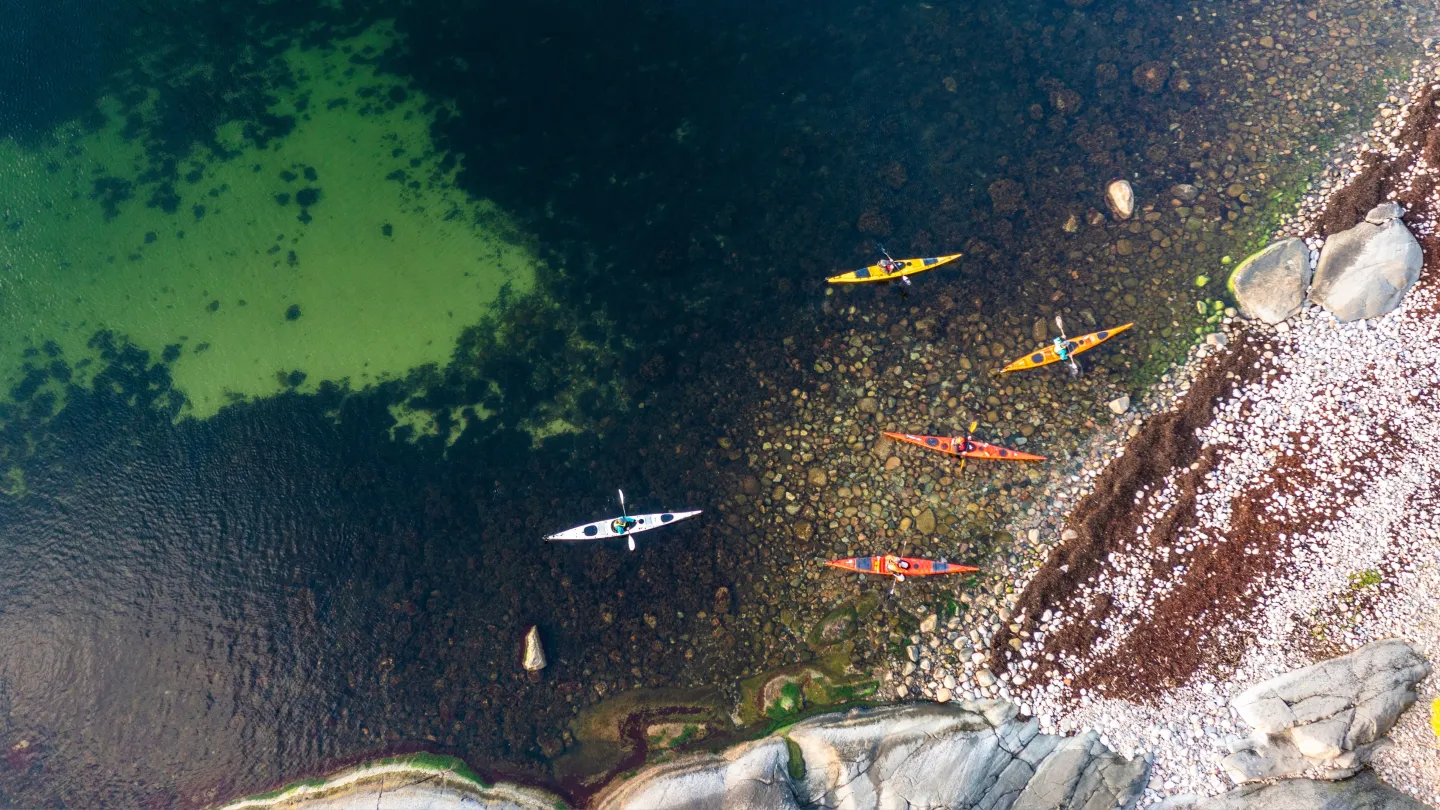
(898, 269)
(1048, 354)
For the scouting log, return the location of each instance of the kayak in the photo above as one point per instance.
(1048, 355)
(890, 565)
(908, 267)
(614, 527)
(965, 448)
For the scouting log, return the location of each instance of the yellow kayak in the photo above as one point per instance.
(1048, 355)
(900, 267)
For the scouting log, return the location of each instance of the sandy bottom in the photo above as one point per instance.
(377, 272)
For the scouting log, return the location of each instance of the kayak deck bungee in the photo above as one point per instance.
(888, 565)
(612, 528)
(964, 448)
(876, 272)
(1047, 355)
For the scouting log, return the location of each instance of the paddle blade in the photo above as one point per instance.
(631, 541)
(622, 501)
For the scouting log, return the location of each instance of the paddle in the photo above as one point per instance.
(625, 517)
(1074, 367)
(970, 434)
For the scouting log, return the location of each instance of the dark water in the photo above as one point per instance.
(192, 610)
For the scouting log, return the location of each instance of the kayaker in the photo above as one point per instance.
(622, 525)
(1063, 348)
(889, 265)
(896, 566)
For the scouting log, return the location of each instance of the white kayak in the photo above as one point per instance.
(622, 526)
(615, 527)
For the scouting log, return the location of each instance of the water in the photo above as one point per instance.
(316, 316)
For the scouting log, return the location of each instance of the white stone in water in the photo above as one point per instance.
(534, 660)
(1121, 198)
(1120, 405)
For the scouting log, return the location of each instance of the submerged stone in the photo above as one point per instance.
(1121, 198)
(534, 659)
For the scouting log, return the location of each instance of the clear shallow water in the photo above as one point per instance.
(204, 601)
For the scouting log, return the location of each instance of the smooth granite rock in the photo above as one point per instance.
(748, 775)
(1365, 271)
(1384, 212)
(1364, 791)
(959, 754)
(1270, 285)
(1328, 716)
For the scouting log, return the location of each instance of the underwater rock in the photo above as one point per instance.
(873, 223)
(1121, 198)
(893, 175)
(1151, 76)
(1270, 285)
(925, 522)
(534, 659)
(1120, 405)
(1006, 196)
(1364, 271)
(1184, 192)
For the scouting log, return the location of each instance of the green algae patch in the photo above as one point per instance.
(795, 761)
(781, 695)
(606, 720)
(336, 246)
(637, 723)
(836, 626)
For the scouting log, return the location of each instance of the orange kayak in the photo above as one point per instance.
(1046, 355)
(890, 565)
(965, 448)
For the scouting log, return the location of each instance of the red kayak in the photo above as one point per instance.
(965, 448)
(893, 566)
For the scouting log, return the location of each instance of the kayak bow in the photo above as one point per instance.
(890, 565)
(908, 267)
(963, 447)
(1047, 355)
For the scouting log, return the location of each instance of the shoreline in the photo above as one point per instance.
(1387, 599)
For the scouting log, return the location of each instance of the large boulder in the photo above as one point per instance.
(1365, 271)
(1271, 284)
(1362, 792)
(959, 754)
(1327, 716)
